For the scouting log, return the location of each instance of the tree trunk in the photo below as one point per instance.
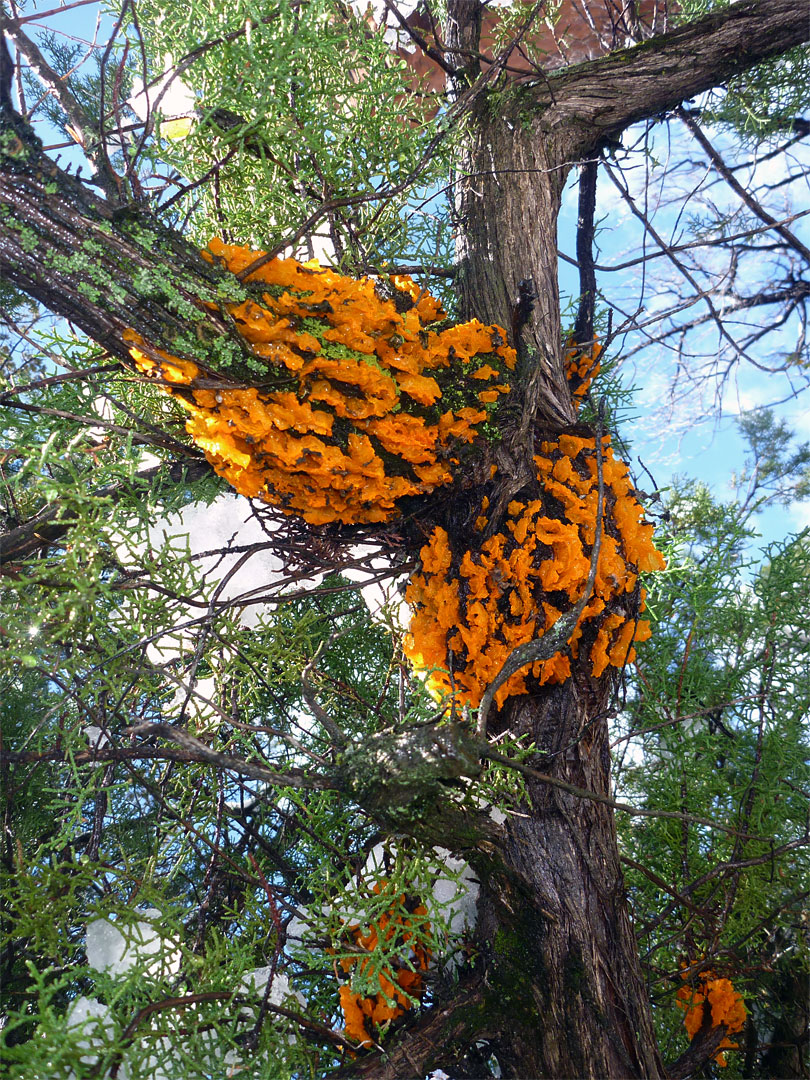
(564, 960)
(576, 1003)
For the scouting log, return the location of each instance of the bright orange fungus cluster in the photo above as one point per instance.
(581, 368)
(399, 982)
(726, 1006)
(474, 605)
(364, 404)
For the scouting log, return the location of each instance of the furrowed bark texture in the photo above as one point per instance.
(106, 268)
(76, 255)
(570, 958)
(566, 959)
(508, 195)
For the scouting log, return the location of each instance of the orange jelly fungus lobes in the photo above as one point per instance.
(581, 368)
(726, 1006)
(348, 418)
(399, 981)
(473, 607)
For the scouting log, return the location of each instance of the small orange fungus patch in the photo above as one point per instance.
(581, 368)
(352, 415)
(726, 1005)
(472, 607)
(400, 980)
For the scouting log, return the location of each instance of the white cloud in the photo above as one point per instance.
(456, 893)
(176, 99)
(383, 599)
(740, 398)
(140, 946)
(216, 536)
(232, 553)
(195, 699)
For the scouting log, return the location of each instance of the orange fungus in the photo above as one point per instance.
(400, 978)
(725, 1004)
(350, 415)
(473, 606)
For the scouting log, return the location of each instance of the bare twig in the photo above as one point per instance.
(753, 205)
(87, 131)
(592, 796)
(198, 751)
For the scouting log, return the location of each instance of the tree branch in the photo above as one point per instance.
(702, 1049)
(87, 131)
(625, 808)
(420, 1047)
(586, 228)
(593, 101)
(199, 751)
(753, 205)
(188, 750)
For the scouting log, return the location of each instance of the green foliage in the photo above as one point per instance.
(358, 148)
(715, 725)
(211, 877)
(774, 470)
(115, 626)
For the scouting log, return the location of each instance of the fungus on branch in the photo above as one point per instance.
(725, 1004)
(359, 402)
(401, 927)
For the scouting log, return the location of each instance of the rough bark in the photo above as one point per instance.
(562, 961)
(107, 267)
(91, 262)
(597, 100)
(508, 195)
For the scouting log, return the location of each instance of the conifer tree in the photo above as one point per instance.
(272, 810)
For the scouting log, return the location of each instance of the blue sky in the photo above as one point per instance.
(697, 435)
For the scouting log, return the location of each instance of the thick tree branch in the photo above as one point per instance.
(701, 1050)
(599, 99)
(188, 750)
(428, 1043)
